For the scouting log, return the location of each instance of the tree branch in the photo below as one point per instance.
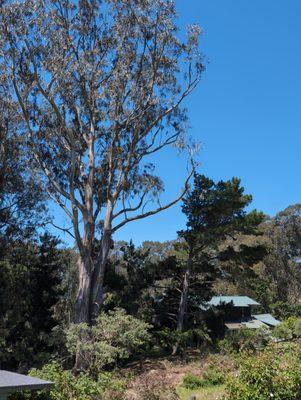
(159, 209)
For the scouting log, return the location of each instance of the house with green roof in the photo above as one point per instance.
(237, 312)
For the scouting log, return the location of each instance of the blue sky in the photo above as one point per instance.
(247, 109)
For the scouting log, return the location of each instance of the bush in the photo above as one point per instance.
(245, 339)
(284, 310)
(297, 328)
(273, 373)
(192, 382)
(167, 338)
(114, 337)
(214, 376)
(70, 387)
(288, 329)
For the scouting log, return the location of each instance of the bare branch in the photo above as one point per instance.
(131, 209)
(159, 209)
(65, 230)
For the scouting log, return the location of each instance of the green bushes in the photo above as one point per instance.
(211, 377)
(288, 329)
(215, 374)
(192, 382)
(245, 339)
(274, 373)
(166, 338)
(114, 337)
(70, 387)
(284, 310)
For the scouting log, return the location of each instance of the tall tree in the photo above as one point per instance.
(215, 211)
(282, 266)
(100, 91)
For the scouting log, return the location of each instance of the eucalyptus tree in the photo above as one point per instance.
(100, 87)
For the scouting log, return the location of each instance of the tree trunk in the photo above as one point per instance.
(183, 303)
(182, 308)
(90, 294)
(82, 305)
(97, 292)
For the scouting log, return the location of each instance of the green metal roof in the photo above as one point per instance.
(238, 301)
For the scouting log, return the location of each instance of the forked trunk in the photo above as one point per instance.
(91, 274)
(97, 293)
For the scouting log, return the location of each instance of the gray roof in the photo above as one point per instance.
(238, 301)
(12, 382)
(251, 324)
(268, 319)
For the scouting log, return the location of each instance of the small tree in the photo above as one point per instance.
(98, 89)
(113, 337)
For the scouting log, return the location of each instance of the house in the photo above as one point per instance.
(237, 312)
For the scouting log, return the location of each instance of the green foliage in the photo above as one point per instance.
(282, 263)
(214, 375)
(273, 373)
(114, 337)
(31, 276)
(283, 310)
(297, 328)
(166, 338)
(129, 280)
(21, 199)
(215, 211)
(244, 339)
(288, 329)
(70, 387)
(191, 381)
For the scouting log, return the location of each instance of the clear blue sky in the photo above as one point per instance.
(247, 109)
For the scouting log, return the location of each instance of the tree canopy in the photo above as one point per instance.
(98, 90)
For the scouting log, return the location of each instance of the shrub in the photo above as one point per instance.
(284, 310)
(288, 329)
(192, 382)
(214, 376)
(167, 338)
(297, 328)
(70, 387)
(114, 337)
(273, 373)
(245, 339)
